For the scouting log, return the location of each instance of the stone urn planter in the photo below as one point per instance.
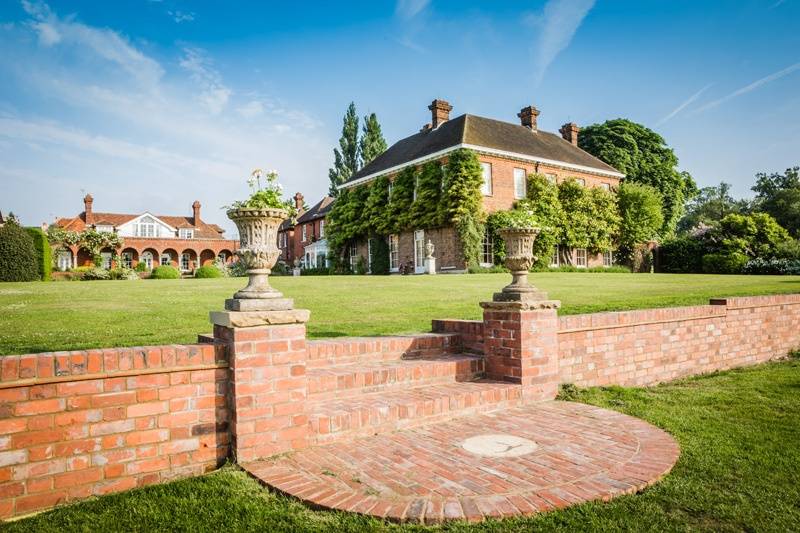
(258, 248)
(519, 260)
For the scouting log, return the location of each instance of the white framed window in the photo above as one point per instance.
(486, 188)
(166, 259)
(394, 253)
(147, 259)
(555, 260)
(104, 229)
(581, 259)
(605, 186)
(353, 257)
(519, 183)
(487, 250)
(146, 227)
(322, 229)
(419, 251)
(608, 258)
(580, 181)
(305, 234)
(126, 259)
(64, 260)
(551, 177)
(185, 233)
(185, 261)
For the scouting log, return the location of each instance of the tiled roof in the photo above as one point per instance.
(482, 132)
(203, 231)
(319, 210)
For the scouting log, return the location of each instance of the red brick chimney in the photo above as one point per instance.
(527, 117)
(87, 209)
(440, 112)
(570, 132)
(196, 212)
(298, 202)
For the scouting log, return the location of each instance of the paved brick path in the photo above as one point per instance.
(581, 453)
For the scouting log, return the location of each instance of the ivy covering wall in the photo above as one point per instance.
(430, 196)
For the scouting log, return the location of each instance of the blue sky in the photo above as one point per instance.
(149, 105)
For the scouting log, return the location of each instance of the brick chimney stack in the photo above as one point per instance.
(440, 112)
(196, 212)
(298, 202)
(528, 116)
(87, 209)
(570, 132)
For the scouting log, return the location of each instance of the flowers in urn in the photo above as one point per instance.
(257, 218)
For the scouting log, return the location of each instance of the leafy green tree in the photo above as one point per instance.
(576, 220)
(377, 206)
(17, 253)
(710, 206)
(44, 254)
(372, 144)
(756, 235)
(641, 216)
(346, 157)
(604, 213)
(644, 157)
(462, 200)
(779, 195)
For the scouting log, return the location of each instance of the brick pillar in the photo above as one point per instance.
(267, 354)
(521, 345)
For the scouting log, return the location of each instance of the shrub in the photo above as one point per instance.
(280, 269)
(208, 271)
(772, 266)
(237, 269)
(141, 266)
(123, 273)
(82, 269)
(379, 251)
(17, 254)
(96, 274)
(724, 263)
(44, 254)
(477, 269)
(316, 271)
(681, 255)
(165, 272)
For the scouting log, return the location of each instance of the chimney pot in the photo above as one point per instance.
(569, 132)
(528, 116)
(196, 212)
(87, 209)
(440, 112)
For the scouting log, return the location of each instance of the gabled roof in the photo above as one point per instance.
(202, 231)
(319, 210)
(472, 131)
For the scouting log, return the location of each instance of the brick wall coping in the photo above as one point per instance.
(107, 375)
(103, 363)
(639, 323)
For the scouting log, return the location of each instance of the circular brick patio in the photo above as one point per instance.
(480, 466)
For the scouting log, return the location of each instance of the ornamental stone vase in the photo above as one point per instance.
(519, 260)
(258, 248)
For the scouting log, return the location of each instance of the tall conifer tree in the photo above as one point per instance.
(346, 157)
(372, 143)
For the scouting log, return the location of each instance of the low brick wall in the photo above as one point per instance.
(655, 345)
(354, 349)
(470, 331)
(83, 423)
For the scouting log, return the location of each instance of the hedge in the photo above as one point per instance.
(18, 260)
(44, 254)
(165, 272)
(208, 271)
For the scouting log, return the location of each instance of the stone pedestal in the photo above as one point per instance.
(266, 343)
(295, 271)
(521, 345)
(430, 265)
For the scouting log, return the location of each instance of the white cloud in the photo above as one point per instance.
(114, 120)
(684, 105)
(181, 16)
(751, 87)
(556, 26)
(407, 9)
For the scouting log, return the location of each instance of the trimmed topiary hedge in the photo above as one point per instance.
(725, 263)
(17, 254)
(208, 271)
(165, 272)
(44, 254)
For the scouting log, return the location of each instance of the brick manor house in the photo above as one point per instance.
(303, 237)
(507, 153)
(183, 242)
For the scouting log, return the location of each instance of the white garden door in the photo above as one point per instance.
(419, 252)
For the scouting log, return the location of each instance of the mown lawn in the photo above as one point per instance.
(739, 470)
(36, 317)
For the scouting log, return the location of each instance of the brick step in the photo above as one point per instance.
(387, 411)
(328, 352)
(343, 381)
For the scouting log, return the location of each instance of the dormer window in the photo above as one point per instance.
(105, 229)
(146, 227)
(185, 233)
